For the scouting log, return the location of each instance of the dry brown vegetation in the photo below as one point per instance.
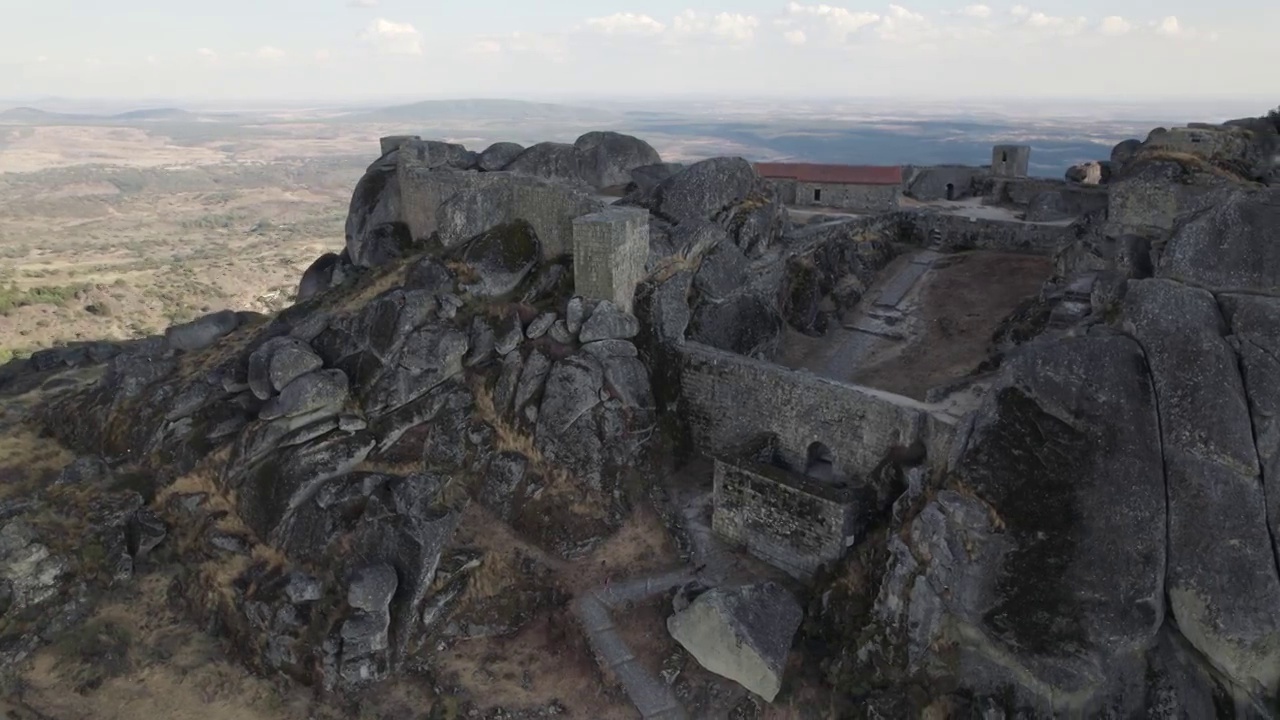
(115, 232)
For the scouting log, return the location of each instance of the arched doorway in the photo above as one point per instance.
(951, 191)
(820, 463)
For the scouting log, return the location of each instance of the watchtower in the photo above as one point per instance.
(1010, 161)
(610, 250)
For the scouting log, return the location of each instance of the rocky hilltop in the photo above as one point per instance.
(444, 445)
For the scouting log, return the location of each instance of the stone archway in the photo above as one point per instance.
(820, 462)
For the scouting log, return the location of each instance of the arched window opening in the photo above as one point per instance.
(820, 463)
(951, 191)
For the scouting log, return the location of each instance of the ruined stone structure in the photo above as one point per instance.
(730, 400)
(1011, 161)
(457, 204)
(942, 182)
(781, 516)
(848, 187)
(610, 248)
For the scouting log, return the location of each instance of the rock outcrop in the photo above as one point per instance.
(741, 633)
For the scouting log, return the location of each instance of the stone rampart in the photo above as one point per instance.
(959, 232)
(730, 399)
(459, 204)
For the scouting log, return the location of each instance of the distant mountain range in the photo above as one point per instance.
(36, 116)
(841, 134)
(433, 111)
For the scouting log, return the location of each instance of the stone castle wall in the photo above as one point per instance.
(730, 399)
(785, 519)
(855, 198)
(929, 183)
(959, 232)
(459, 204)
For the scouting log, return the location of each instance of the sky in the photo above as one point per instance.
(340, 50)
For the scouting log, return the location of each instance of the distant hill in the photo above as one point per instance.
(35, 116)
(434, 110)
(30, 115)
(156, 114)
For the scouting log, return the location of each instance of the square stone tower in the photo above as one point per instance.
(610, 249)
(392, 142)
(1010, 161)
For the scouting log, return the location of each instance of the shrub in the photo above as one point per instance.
(13, 297)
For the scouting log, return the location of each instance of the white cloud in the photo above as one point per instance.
(393, 38)
(552, 47)
(207, 54)
(363, 3)
(795, 37)
(93, 62)
(1170, 27)
(625, 23)
(1054, 24)
(1019, 11)
(730, 27)
(151, 59)
(268, 52)
(1114, 25)
(976, 11)
(839, 23)
(903, 25)
(322, 55)
(42, 58)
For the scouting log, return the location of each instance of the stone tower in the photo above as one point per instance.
(1010, 161)
(610, 250)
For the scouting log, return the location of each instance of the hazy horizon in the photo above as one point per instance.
(1154, 109)
(329, 49)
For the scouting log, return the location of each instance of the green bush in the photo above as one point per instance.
(14, 297)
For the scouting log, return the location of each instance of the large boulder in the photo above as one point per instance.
(1222, 582)
(742, 633)
(702, 190)
(498, 155)
(606, 159)
(498, 260)
(1043, 571)
(550, 160)
(647, 177)
(1089, 173)
(202, 332)
(434, 154)
(745, 324)
(1122, 153)
(1234, 246)
(375, 203)
(317, 277)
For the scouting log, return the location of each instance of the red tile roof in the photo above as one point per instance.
(839, 174)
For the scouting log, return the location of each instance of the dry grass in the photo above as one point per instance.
(170, 670)
(1193, 163)
(28, 460)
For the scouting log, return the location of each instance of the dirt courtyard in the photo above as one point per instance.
(939, 332)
